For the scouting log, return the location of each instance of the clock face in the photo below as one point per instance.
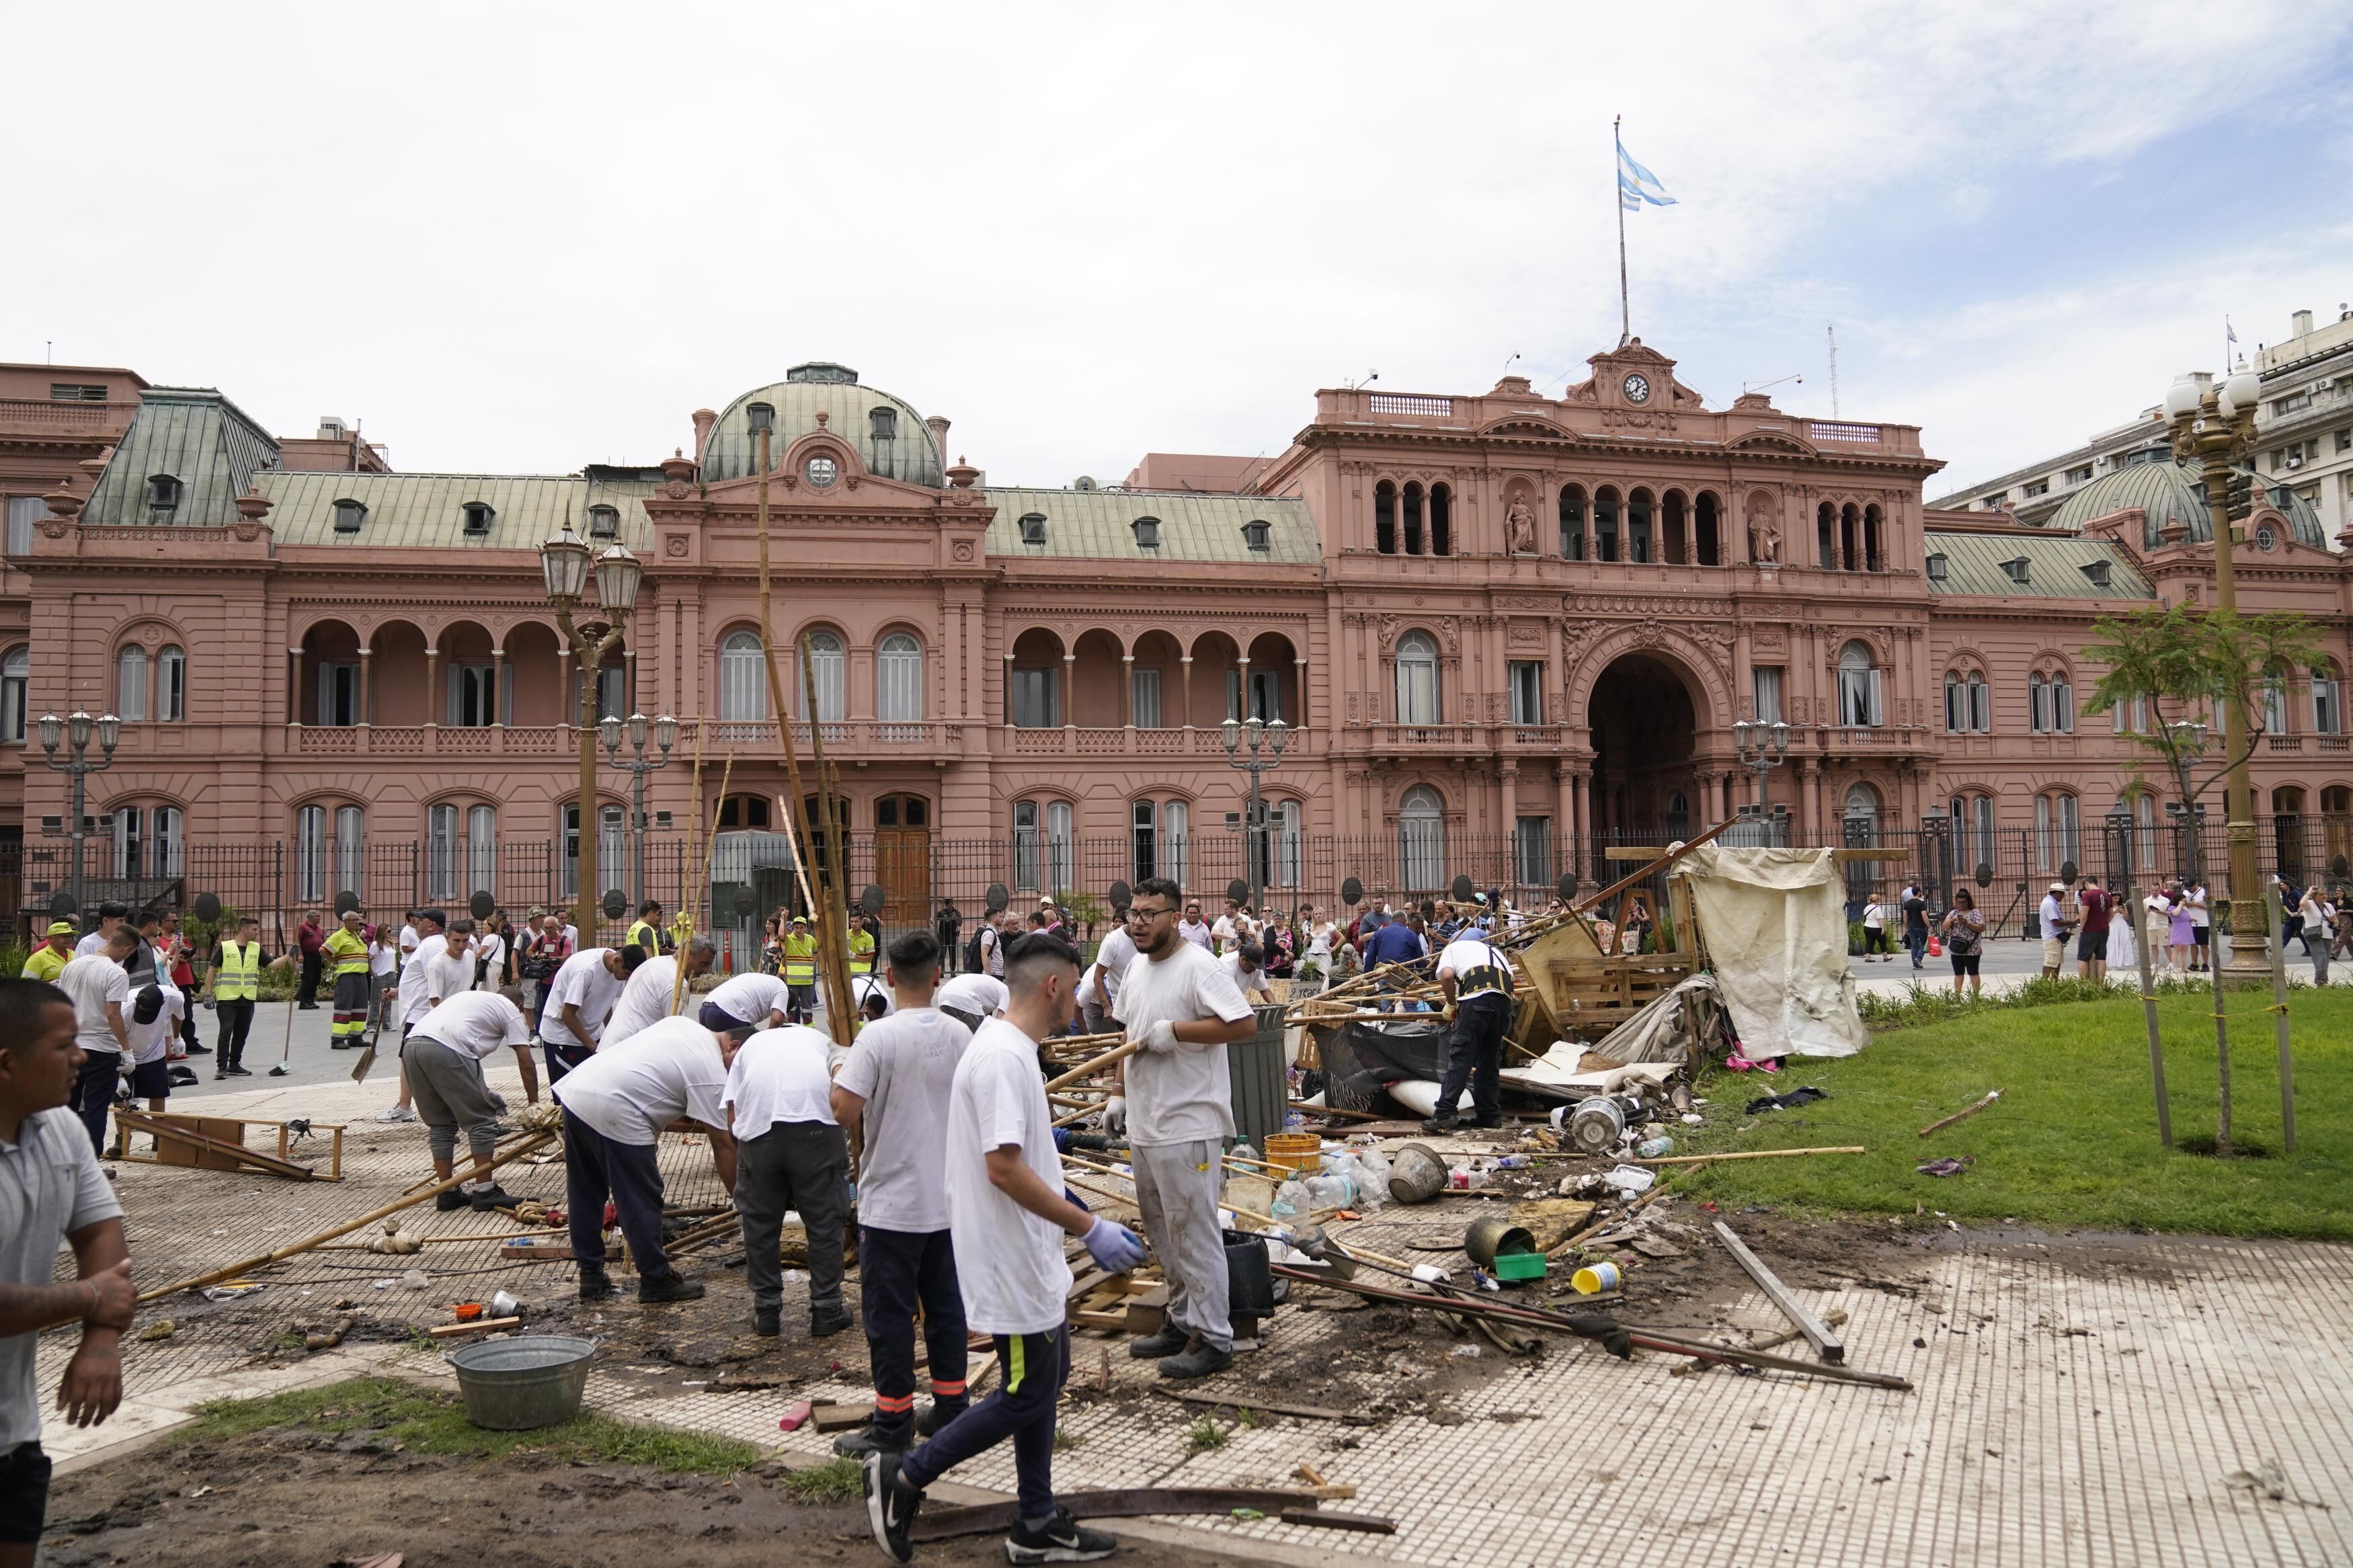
(1638, 388)
(821, 472)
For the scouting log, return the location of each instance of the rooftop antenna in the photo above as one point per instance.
(1833, 336)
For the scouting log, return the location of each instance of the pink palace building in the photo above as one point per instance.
(1501, 630)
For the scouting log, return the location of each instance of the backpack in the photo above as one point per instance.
(972, 954)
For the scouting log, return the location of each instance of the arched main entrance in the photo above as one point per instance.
(1644, 727)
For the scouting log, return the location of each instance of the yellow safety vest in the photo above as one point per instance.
(800, 960)
(45, 963)
(239, 976)
(642, 934)
(351, 953)
(861, 952)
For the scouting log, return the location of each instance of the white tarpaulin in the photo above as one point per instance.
(1775, 925)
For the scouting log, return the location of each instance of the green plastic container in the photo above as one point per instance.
(1513, 1268)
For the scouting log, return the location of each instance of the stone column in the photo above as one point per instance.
(434, 699)
(1509, 775)
(1242, 690)
(1070, 692)
(367, 688)
(1008, 691)
(499, 685)
(293, 686)
(1299, 689)
(1127, 689)
(1185, 684)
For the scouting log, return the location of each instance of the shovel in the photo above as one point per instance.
(367, 1058)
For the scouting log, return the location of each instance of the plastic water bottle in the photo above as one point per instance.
(1652, 1148)
(1290, 1200)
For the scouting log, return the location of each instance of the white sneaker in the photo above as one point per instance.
(396, 1113)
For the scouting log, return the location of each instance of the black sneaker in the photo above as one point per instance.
(827, 1322)
(870, 1439)
(1198, 1359)
(1061, 1540)
(455, 1198)
(306, 1006)
(1485, 1125)
(1441, 1123)
(240, 1072)
(767, 1321)
(891, 1504)
(200, 1050)
(663, 1288)
(491, 1198)
(1151, 1347)
(938, 1414)
(219, 1073)
(596, 1285)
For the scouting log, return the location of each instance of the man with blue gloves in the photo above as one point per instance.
(1009, 1212)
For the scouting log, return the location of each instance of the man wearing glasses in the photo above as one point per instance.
(1181, 1010)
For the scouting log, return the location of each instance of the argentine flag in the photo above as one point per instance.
(1636, 184)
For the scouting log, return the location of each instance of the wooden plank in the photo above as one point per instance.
(225, 1156)
(841, 1417)
(1116, 1322)
(996, 1517)
(1817, 1334)
(478, 1326)
(1323, 1519)
(1264, 1407)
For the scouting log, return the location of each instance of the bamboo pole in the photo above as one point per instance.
(1750, 1155)
(216, 1276)
(1088, 1068)
(841, 1008)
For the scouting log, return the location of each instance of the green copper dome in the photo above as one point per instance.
(895, 445)
(2165, 494)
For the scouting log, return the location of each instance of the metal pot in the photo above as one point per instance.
(1492, 1234)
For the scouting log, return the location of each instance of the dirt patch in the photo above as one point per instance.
(297, 1497)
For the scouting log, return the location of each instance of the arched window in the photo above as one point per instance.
(351, 848)
(441, 852)
(1421, 839)
(1825, 536)
(1861, 807)
(1413, 534)
(1707, 529)
(1572, 522)
(1968, 704)
(1605, 524)
(1284, 824)
(2057, 839)
(1442, 521)
(1385, 518)
(1176, 840)
(131, 684)
(1025, 845)
(882, 426)
(1875, 536)
(1057, 867)
(1638, 526)
(899, 680)
(2051, 703)
(743, 678)
(481, 850)
(611, 868)
(1417, 679)
(1145, 819)
(1972, 819)
(15, 684)
(146, 841)
(1861, 688)
(2327, 703)
(827, 671)
(311, 854)
(743, 811)
(2275, 703)
(172, 684)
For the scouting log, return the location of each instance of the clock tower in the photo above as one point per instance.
(1635, 386)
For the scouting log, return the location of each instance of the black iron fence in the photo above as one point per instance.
(750, 873)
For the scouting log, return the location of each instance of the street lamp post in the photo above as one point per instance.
(2215, 426)
(77, 728)
(1254, 761)
(1761, 748)
(664, 733)
(566, 562)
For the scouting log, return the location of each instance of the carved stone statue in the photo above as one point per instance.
(1520, 528)
(1764, 536)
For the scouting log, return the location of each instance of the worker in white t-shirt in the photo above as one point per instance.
(1246, 967)
(1009, 1215)
(441, 1059)
(971, 999)
(616, 1104)
(895, 1085)
(100, 989)
(151, 1022)
(790, 1155)
(579, 1000)
(655, 992)
(1099, 987)
(1180, 1012)
(752, 1000)
(1477, 979)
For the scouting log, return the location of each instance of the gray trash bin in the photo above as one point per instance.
(1262, 1085)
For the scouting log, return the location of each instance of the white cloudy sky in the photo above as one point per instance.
(521, 236)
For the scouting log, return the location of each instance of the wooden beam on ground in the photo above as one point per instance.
(1365, 1523)
(1304, 1412)
(1817, 1334)
(174, 1132)
(997, 1517)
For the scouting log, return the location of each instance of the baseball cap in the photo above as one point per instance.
(62, 928)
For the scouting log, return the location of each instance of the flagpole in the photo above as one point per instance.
(1625, 311)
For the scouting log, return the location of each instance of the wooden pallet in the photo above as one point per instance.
(218, 1144)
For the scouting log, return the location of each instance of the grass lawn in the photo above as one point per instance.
(426, 1421)
(2073, 1142)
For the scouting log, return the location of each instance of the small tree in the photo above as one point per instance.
(2197, 661)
